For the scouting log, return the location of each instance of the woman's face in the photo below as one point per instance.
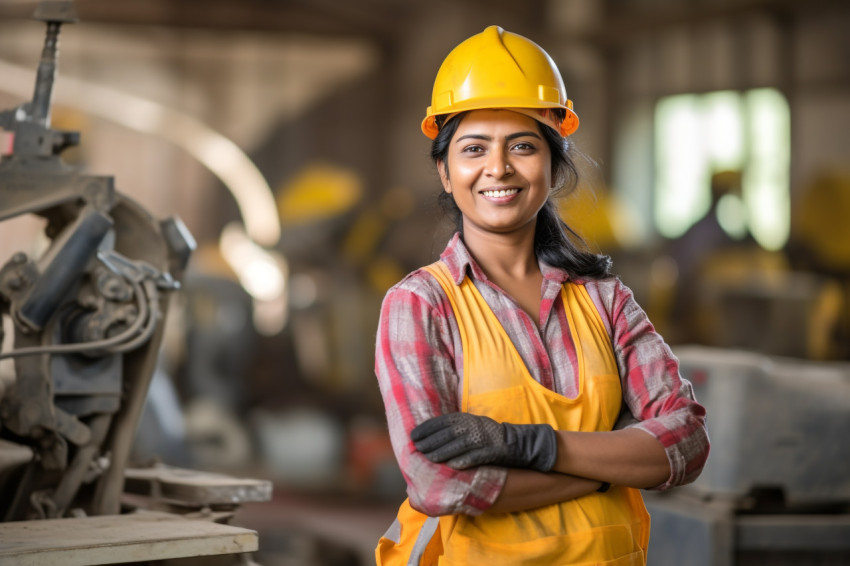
(499, 171)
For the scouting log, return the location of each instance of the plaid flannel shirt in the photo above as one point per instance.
(419, 366)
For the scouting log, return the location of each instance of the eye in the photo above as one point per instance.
(472, 148)
(523, 146)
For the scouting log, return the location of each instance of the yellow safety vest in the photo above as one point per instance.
(609, 528)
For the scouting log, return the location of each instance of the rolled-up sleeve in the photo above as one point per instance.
(417, 365)
(660, 400)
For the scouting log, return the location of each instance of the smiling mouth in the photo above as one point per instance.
(500, 193)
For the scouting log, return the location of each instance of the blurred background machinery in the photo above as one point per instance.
(776, 488)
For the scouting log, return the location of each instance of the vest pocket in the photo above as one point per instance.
(611, 546)
(522, 405)
(509, 405)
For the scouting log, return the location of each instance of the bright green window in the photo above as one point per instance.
(698, 135)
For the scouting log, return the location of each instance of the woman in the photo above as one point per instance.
(527, 395)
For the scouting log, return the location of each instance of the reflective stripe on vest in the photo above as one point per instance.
(412, 540)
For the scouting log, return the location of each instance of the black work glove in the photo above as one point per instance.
(462, 440)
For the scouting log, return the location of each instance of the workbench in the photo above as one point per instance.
(118, 539)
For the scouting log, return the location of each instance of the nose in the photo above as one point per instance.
(498, 165)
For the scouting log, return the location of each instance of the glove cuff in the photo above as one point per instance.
(534, 446)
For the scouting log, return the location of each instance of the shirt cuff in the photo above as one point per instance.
(485, 489)
(674, 458)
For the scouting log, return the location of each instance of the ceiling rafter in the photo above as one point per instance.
(624, 21)
(378, 19)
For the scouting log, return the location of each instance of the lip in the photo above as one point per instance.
(500, 195)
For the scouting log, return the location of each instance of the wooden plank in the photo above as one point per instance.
(116, 539)
(193, 487)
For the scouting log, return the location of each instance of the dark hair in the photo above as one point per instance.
(554, 241)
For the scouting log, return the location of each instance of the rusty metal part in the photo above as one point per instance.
(78, 470)
(137, 235)
(100, 289)
(56, 11)
(65, 262)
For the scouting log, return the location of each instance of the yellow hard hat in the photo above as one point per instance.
(500, 69)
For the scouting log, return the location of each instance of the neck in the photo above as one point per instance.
(503, 255)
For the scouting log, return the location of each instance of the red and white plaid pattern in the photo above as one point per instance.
(419, 365)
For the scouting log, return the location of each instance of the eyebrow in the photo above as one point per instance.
(509, 137)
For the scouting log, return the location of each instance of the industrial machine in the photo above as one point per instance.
(776, 487)
(84, 324)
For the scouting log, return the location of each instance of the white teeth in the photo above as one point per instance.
(500, 193)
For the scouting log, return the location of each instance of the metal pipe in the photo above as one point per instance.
(64, 263)
(45, 76)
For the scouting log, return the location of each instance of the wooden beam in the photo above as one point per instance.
(374, 18)
(624, 22)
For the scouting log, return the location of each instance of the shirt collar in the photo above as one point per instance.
(460, 262)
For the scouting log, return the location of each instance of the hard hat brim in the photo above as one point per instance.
(565, 127)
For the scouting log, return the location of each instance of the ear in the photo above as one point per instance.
(442, 169)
